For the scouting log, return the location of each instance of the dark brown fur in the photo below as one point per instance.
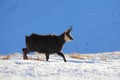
(47, 44)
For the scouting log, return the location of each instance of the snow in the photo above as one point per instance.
(15, 68)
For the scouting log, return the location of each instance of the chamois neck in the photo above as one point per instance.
(62, 38)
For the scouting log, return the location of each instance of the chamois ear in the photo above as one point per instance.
(68, 30)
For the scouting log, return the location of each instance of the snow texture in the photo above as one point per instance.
(15, 68)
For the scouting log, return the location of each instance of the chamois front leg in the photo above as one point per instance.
(61, 54)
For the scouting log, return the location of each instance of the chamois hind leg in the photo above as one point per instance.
(61, 54)
(47, 56)
(25, 51)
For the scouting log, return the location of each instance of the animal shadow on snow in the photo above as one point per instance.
(81, 61)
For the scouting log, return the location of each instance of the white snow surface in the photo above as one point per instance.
(15, 68)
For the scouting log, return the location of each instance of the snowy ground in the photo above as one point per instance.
(101, 66)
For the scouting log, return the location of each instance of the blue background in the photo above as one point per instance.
(96, 23)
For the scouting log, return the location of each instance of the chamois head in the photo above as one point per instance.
(67, 34)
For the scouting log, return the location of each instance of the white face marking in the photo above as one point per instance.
(66, 38)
